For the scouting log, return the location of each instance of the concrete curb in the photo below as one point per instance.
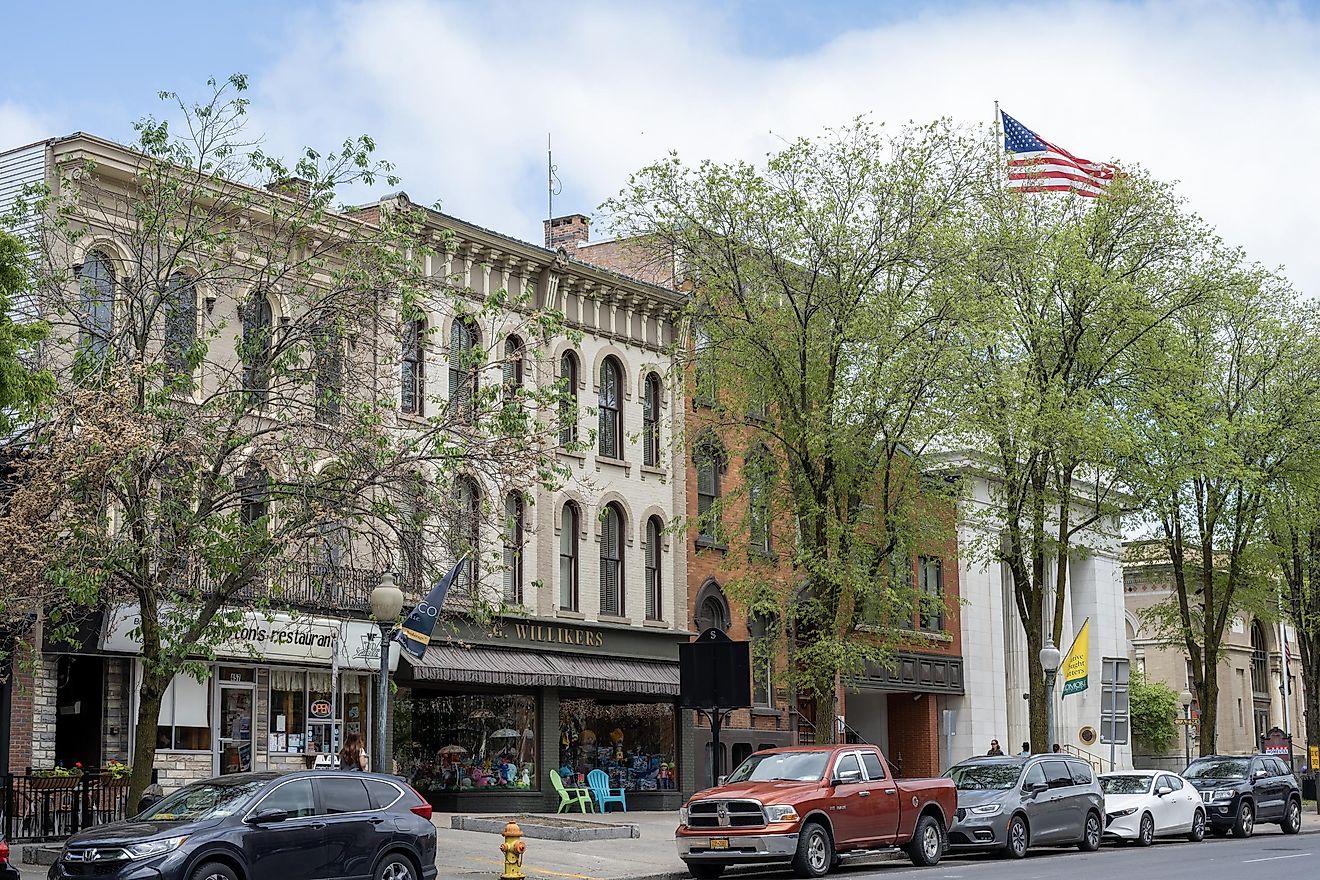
(565, 830)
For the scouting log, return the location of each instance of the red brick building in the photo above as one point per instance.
(900, 708)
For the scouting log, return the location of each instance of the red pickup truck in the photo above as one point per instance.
(810, 806)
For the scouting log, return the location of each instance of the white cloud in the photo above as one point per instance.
(461, 96)
(20, 126)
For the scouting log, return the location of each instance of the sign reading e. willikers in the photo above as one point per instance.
(714, 676)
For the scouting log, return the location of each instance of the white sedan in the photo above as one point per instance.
(1141, 805)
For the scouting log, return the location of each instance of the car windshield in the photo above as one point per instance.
(1219, 768)
(203, 800)
(985, 777)
(795, 766)
(1125, 784)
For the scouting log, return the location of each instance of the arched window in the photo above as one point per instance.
(467, 533)
(760, 632)
(253, 495)
(654, 551)
(711, 463)
(463, 369)
(412, 372)
(712, 608)
(513, 548)
(611, 561)
(256, 343)
(568, 405)
(611, 423)
(180, 323)
(1260, 666)
(651, 421)
(568, 557)
(512, 369)
(412, 560)
(96, 290)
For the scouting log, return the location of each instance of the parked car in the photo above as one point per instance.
(810, 807)
(1141, 805)
(1013, 804)
(7, 871)
(265, 826)
(1239, 792)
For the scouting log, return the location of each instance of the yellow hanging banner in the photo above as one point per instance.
(1075, 662)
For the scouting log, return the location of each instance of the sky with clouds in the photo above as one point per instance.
(461, 95)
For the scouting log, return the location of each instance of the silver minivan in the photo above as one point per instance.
(1013, 804)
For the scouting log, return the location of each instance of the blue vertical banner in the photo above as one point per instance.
(415, 634)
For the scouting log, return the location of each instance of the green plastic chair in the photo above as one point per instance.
(569, 797)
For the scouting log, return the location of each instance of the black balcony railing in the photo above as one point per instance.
(39, 807)
(313, 585)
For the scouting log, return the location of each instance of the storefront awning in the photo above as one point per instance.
(505, 666)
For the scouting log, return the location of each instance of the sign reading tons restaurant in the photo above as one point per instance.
(280, 638)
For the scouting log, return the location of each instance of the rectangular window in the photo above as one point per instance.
(931, 573)
(184, 723)
(479, 743)
(288, 712)
(411, 390)
(635, 743)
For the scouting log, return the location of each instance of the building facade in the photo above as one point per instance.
(1250, 673)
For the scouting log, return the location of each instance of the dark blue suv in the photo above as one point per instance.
(1240, 792)
(265, 826)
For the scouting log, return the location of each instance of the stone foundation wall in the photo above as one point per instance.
(116, 722)
(45, 685)
(177, 769)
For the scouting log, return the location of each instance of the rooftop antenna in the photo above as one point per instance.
(553, 185)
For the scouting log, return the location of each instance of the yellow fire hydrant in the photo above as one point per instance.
(513, 848)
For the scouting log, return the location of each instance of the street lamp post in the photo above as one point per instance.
(386, 603)
(1186, 699)
(1049, 661)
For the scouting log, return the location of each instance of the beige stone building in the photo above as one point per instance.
(1250, 675)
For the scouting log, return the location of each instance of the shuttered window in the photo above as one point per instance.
(611, 561)
(654, 548)
(611, 422)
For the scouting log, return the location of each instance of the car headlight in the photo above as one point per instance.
(1222, 794)
(781, 813)
(682, 815)
(985, 809)
(149, 848)
(1128, 812)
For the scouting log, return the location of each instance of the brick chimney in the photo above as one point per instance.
(567, 231)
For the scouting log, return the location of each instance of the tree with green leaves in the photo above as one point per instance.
(1229, 403)
(22, 388)
(225, 432)
(1072, 289)
(826, 341)
(1154, 712)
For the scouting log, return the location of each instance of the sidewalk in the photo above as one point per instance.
(650, 856)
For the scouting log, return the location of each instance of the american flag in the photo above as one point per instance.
(1036, 165)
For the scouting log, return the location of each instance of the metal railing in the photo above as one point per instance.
(312, 585)
(36, 807)
(1097, 763)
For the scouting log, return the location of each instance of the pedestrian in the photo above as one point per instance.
(1057, 748)
(1026, 750)
(995, 750)
(351, 756)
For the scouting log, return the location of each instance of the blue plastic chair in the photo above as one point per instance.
(599, 783)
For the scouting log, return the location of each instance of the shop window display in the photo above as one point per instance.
(447, 743)
(635, 743)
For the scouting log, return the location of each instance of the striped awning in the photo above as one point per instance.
(480, 664)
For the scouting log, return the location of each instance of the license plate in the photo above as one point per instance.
(719, 843)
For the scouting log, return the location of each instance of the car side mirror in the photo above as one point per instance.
(1260, 774)
(848, 777)
(1037, 788)
(266, 817)
(1163, 790)
(720, 780)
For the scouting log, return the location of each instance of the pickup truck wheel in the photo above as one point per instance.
(705, 871)
(927, 845)
(1015, 847)
(815, 851)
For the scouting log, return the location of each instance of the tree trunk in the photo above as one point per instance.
(144, 739)
(1209, 702)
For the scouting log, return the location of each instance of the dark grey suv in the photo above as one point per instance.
(1016, 803)
(1241, 792)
